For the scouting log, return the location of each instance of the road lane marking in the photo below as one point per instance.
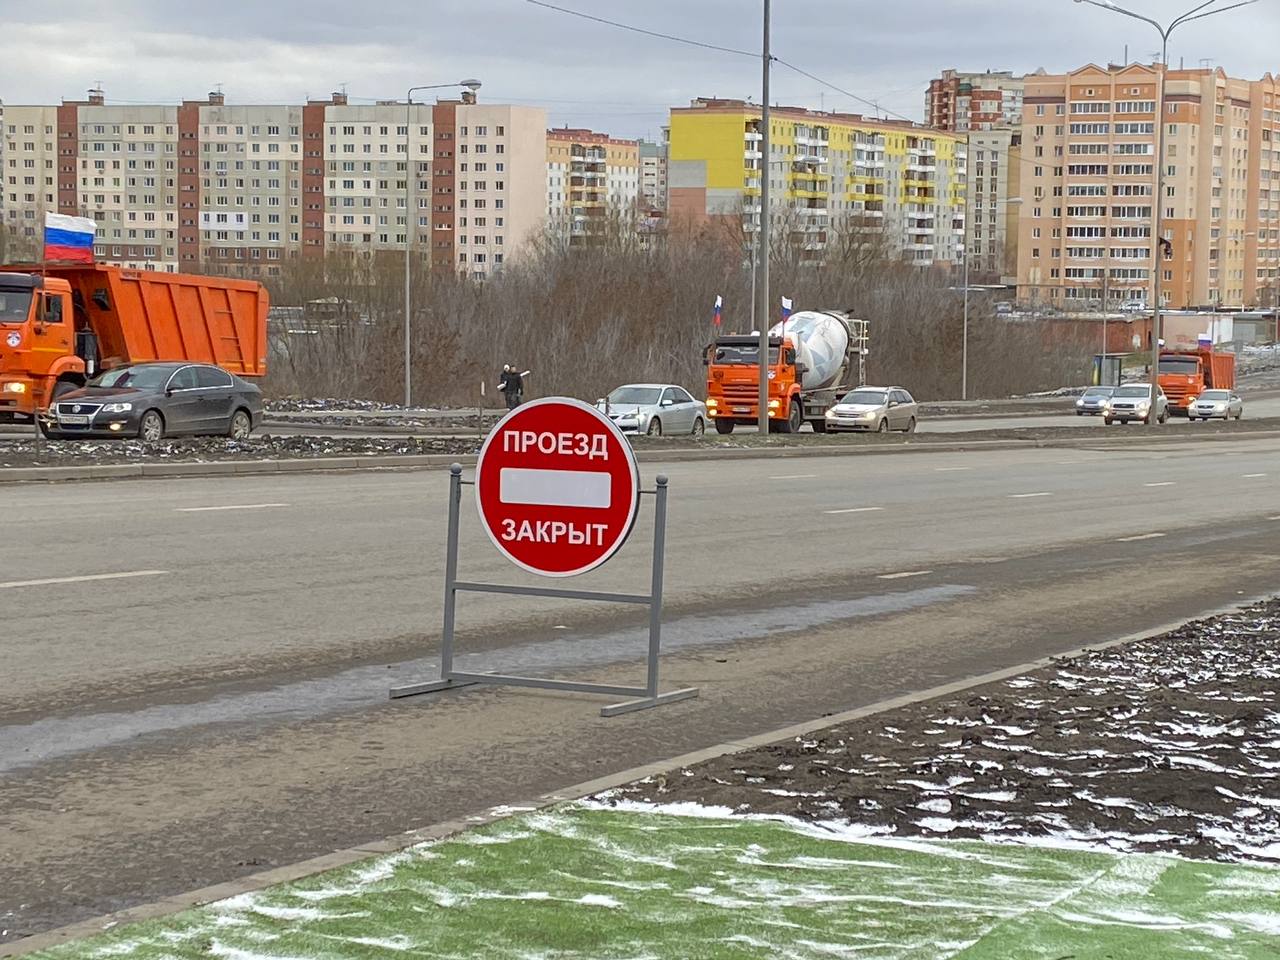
(1023, 496)
(950, 469)
(1251, 476)
(904, 574)
(855, 510)
(796, 476)
(85, 579)
(1140, 536)
(233, 506)
(1162, 483)
(1273, 518)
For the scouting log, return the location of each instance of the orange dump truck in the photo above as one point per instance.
(1185, 374)
(62, 325)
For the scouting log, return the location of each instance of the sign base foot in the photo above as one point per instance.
(646, 703)
(430, 686)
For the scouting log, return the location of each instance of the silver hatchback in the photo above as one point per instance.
(1216, 404)
(874, 408)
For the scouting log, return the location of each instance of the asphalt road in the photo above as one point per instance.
(196, 671)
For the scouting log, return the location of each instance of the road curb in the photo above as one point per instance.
(365, 462)
(441, 830)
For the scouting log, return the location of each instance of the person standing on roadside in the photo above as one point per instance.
(511, 384)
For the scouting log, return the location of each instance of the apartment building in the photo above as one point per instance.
(1085, 227)
(829, 173)
(589, 175)
(653, 176)
(994, 192)
(207, 185)
(960, 101)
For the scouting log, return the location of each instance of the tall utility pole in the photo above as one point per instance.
(1157, 242)
(762, 256)
(410, 226)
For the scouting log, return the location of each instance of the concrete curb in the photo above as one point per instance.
(438, 831)
(210, 468)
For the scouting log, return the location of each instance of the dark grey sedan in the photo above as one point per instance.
(155, 400)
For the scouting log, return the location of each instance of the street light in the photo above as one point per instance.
(964, 341)
(1157, 249)
(410, 183)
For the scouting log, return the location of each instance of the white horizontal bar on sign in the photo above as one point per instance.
(556, 488)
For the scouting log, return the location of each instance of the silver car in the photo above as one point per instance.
(874, 408)
(1216, 404)
(1133, 402)
(1092, 400)
(655, 409)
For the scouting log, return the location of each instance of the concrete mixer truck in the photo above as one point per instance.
(814, 359)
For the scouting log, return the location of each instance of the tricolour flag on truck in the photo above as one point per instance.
(68, 238)
(719, 307)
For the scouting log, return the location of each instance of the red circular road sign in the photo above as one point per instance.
(557, 487)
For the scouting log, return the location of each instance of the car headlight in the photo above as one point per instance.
(117, 407)
(1144, 405)
(1080, 402)
(15, 388)
(869, 415)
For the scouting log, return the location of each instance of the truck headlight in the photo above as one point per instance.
(712, 403)
(15, 387)
(117, 407)
(775, 404)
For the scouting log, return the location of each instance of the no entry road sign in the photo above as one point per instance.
(557, 487)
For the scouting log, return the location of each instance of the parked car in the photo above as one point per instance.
(1133, 306)
(1092, 400)
(1132, 401)
(874, 408)
(155, 400)
(655, 409)
(1215, 404)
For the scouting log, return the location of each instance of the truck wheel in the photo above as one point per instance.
(1163, 418)
(884, 427)
(699, 428)
(724, 426)
(795, 418)
(911, 426)
(241, 425)
(151, 427)
(655, 428)
(819, 426)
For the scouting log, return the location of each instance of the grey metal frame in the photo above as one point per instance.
(451, 679)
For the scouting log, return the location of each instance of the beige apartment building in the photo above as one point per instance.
(207, 185)
(1085, 227)
(589, 175)
(653, 176)
(963, 101)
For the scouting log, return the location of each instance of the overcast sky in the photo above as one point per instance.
(584, 73)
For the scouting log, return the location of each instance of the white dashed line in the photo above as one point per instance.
(235, 506)
(1251, 476)
(1162, 483)
(1024, 496)
(796, 476)
(855, 510)
(85, 579)
(904, 575)
(950, 469)
(1140, 536)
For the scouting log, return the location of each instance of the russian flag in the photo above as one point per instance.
(786, 310)
(68, 238)
(719, 307)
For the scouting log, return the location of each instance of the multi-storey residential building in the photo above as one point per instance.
(205, 185)
(653, 176)
(1086, 222)
(829, 173)
(960, 101)
(589, 174)
(994, 185)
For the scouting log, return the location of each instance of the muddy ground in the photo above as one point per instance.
(1170, 744)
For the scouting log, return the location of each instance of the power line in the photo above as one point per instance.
(852, 96)
(647, 33)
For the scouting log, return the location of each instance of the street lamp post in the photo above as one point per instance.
(1157, 247)
(410, 228)
(762, 260)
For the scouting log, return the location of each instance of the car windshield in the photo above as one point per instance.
(640, 395)
(1134, 390)
(1183, 366)
(1215, 395)
(14, 305)
(141, 378)
(867, 397)
(1099, 391)
(744, 353)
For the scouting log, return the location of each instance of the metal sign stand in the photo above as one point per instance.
(451, 679)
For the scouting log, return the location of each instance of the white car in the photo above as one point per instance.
(1133, 402)
(1133, 306)
(655, 409)
(1218, 404)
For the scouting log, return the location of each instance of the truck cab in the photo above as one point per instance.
(733, 383)
(37, 343)
(1185, 374)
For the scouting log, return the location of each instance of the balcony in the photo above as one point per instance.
(750, 154)
(753, 136)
